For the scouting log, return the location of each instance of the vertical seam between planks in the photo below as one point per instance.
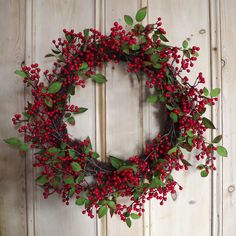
(24, 101)
(103, 88)
(29, 57)
(33, 22)
(146, 216)
(100, 108)
(216, 204)
(221, 102)
(212, 111)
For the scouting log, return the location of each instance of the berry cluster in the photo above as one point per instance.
(71, 167)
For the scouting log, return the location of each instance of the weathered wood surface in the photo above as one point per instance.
(12, 166)
(118, 120)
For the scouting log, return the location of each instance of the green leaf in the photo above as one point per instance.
(147, 63)
(61, 58)
(55, 87)
(56, 51)
(133, 167)
(79, 179)
(63, 145)
(222, 151)
(135, 47)
(196, 54)
(76, 166)
(185, 44)
(86, 34)
(13, 141)
(136, 195)
(116, 162)
(156, 183)
(80, 201)
(111, 204)
(72, 153)
(102, 202)
(99, 78)
(190, 133)
(72, 191)
(68, 37)
(163, 38)
(48, 101)
(53, 150)
(205, 91)
(141, 14)
(71, 120)
(155, 37)
(49, 55)
(217, 139)
(84, 66)
(24, 147)
(149, 51)
(174, 116)
(21, 73)
(126, 50)
(89, 147)
(56, 182)
(155, 58)
(169, 107)
(81, 110)
(71, 90)
(208, 124)
(26, 115)
(187, 53)
(111, 212)
(172, 150)
(68, 179)
(134, 216)
(165, 59)
(142, 39)
(128, 222)
(67, 115)
(102, 211)
(185, 162)
(153, 98)
(95, 155)
(215, 92)
(87, 203)
(201, 166)
(157, 66)
(204, 173)
(42, 180)
(169, 177)
(128, 20)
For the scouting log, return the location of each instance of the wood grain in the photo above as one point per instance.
(118, 121)
(51, 217)
(12, 166)
(190, 213)
(123, 110)
(228, 34)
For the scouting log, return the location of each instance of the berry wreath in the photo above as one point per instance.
(66, 163)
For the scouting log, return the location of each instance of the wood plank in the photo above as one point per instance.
(63, 14)
(123, 110)
(228, 34)
(217, 197)
(190, 213)
(100, 107)
(12, 165)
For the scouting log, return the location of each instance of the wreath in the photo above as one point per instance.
(70, 167)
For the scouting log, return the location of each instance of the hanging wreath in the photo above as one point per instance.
(70, 167)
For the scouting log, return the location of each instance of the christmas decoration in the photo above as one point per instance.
(71, 167)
